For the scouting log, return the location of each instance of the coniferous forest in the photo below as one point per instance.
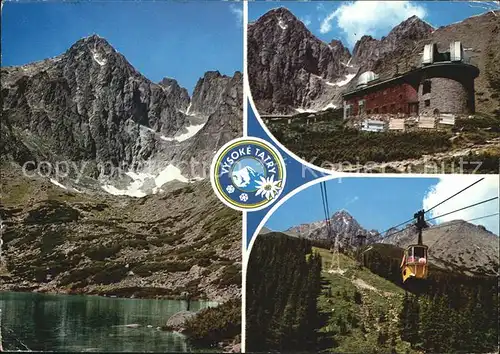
(449, 312)
(283, 283)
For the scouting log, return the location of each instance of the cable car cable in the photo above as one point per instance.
(439, 226)
(396, 232)
(394, 227)
(454, 195)
(482, 217)
(328, 211)
(327, 206)
(459, 221)
(323, 195)
(435, 206)
(467, 207)
(323, 200)
(325, 210)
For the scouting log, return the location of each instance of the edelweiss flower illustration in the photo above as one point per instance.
(268, 187)
(243, 197)
(230, 189)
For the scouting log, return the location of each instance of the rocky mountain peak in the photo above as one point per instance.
(281, 19)
(281, 13)
(344, 229)
(411, 28)
(178, 96)
(238, 76)
(211, 74)
(101, 98)
(414, 21)
(363, 48)
(95, 38)
(210, 90)
(339, 50)
(168, 82)
(337, 44)
(95, 51)
(278, 42)
(342, 214)
(114, 114)
(368, 50)
(310, 70)
(92, 43)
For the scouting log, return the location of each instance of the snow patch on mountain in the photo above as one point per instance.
(282, 24)
(57, 183)
(341, 83)
(329, 105)
(302, 110)
(169, 174)
(133, 190)
(145, 183)
(98, 57)
(191, 131)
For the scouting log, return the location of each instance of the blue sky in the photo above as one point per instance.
(348, 21)
(380, 203)
(174, 39)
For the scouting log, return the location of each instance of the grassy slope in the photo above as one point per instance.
(377, 311)
(159, 237)
(328, 140)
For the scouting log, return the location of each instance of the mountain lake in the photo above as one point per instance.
(76, 323)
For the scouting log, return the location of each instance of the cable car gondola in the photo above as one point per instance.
(414, 264)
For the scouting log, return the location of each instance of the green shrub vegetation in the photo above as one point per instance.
(448, 312)
(334, 142)
(218, 324)
(354, 146)
(282, 291)
(292, 306)
(230, 275)
(478, 122)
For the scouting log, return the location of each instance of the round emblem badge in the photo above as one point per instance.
(248, 174)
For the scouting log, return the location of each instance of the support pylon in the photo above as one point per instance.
(336, 254)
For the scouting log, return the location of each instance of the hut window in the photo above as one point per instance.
(426, 88)
(427, 103)
(361, 105)
(393, 108)
(348, 110)
(375, 110)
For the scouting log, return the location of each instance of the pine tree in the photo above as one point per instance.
(404, 325)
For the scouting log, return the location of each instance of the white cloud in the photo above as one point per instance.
(449, 185)
(374, 18)
(237, 10)
(306, 20)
